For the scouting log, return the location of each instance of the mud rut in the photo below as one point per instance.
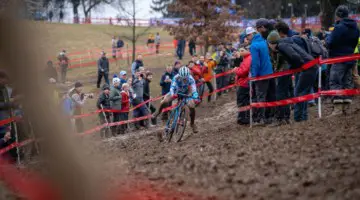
(319, 159)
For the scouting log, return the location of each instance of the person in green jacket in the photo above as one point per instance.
(115, 103)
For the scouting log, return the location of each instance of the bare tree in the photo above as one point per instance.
(88, 5)
(129, 11)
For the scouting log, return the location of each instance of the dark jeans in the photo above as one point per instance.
(140, 112)
(303, 84)
(157, 48)
(116, 118)
(192, 50)
(220, 83)
(123, 127)
(242, 99)
(341, 78)
(202, 89)
(283, 91)
(180, 52)
(265, 92)
(63, 71)
(106, 77)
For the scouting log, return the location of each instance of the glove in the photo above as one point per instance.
(195, 95)
(174, 96)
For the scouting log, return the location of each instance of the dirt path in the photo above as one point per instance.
(313, 160)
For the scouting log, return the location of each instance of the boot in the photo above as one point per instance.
(192, 120)
(194, 128)
(338, 110)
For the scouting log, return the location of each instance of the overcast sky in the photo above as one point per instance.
(143, 7)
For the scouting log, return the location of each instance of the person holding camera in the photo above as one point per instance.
(78, 99)
(138, 88)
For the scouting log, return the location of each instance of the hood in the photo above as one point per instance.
(350, 23)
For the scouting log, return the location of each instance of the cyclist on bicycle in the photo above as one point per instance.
(182, 83)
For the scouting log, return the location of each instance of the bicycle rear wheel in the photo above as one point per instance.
(180, 125)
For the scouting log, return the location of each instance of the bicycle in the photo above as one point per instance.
(177, 120)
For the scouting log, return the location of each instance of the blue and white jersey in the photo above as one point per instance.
(180, 85)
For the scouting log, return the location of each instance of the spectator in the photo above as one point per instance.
(116, 102)
(342, 42)
(125, 106)
(177, 66)
(209, 65)
(296, 57)
(243, 92)
(103, 69)
(261, 66)
(63, 65)
(136, 65)
(50, 71)
(119, 45)
(123, 78)
(147, 93)
(165, 83)
(138, 87)
(61, 16)
(5, 103)
(238, 58)
(180, 48)
(104, 103)
(113, 46)
(321, 35)
(157, 43)
(78, 101)
(219, 69)
(264, 27)
(192, 46)
(51, 15)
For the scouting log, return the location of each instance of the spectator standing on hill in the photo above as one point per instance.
(50, 71)
(114, 46)
(104, 103)
(136, 65)
(125, 106)
(342, 42)
(180, 48)
(138, 88)
(51, 15)
(103, 69)
(261, 66)
(157, 43)
(123, 78)
(165, 83)
(192, 46)
(63, 65)
(115, 103)
(119, 45)
(243, 92)
(296, 57)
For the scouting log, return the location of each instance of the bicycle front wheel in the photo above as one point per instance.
(180, 125)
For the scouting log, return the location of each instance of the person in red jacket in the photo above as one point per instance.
(243, 91)
(125, 106)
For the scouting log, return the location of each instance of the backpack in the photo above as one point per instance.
(315, 47)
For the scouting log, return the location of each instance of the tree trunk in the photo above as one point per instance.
(328, 11)
(134, 32)
(76, 13)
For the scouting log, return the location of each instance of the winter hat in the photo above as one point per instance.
(105, 87)
(262, 22)
(78, 84)
(273, 37)
(342, 11)
(122, 73)
(115, 80)
(249, 30)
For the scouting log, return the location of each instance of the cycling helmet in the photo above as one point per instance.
(184, 72)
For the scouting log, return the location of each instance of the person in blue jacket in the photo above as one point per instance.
(342, 42)
(261, 66)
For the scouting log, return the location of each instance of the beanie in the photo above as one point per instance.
(116, 80)
(273, 37)
(105, 87)
(342, 11)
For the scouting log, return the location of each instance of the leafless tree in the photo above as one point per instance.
(88, 5)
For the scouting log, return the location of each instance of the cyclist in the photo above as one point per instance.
(182, 83)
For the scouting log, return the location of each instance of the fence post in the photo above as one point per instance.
(251, 109)
(127, 52)
(319, 90)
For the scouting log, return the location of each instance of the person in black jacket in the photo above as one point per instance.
(342, 42)
(146, 95)
(165, 83)
(192, 47)
(104, 103)
(221, 68)
(103, 69)
(296, 57)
